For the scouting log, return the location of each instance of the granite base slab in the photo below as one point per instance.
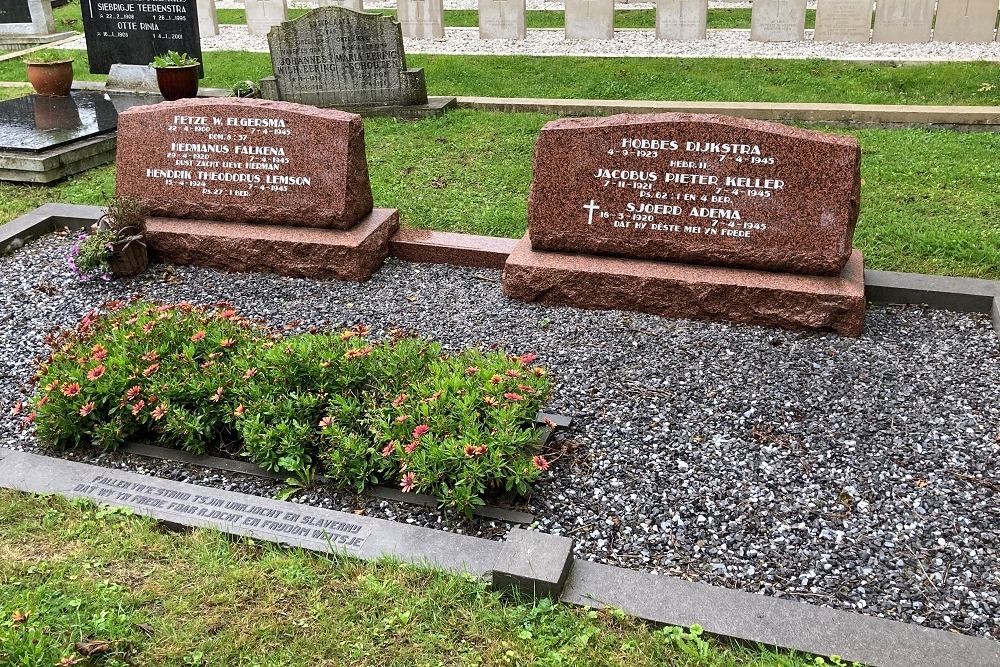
(835, 303)
(435, 106)
(21, 42)
(299, 252)
(55, 164)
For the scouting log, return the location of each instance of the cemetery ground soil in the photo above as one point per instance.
(699, 79)
(134, 592)
(929, 198)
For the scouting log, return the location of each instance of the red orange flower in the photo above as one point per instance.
(408, 482)
(539, 371)
(496, 379)
(389, 449)
(199, 335)
(511, 396)
(239, 410)
(217, 396)
(527, 358)
(402, 419)
(513, 373)
(399, 400)
(71, 390)
(325, 422)
(87, 408)
(98, 352)
(132, 392)
(151, 356)
(250, 373)
(490, 401)
(137, 408)
(150, 370)
(471, 370)
(410, 448)
(475, 450)
(420, 430)
(540, 463)
(227, 342)
(158, 412)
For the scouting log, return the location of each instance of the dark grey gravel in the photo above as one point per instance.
(859, 474)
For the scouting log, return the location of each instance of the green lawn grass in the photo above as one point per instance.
(929, 198)
(75, 578)
(699, 79)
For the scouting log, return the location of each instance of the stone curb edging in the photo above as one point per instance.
(984, 118)
(469, 250)
(72, 37)
(526, 563)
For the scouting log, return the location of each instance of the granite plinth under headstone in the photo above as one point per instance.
(355, 5)
(695, 216)
(502, 19)
(421, 19)
(967, 21)
(681, 20)
(843, 21)
(27, 23)
(208, 19)
(590, 19)
(903, 21)
(335, 57)
(135, 32)
(45, 139)
(262, 15)
(778, 20)
(231, 179)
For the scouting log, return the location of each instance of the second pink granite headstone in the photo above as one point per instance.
(245, 161)
(698, 189)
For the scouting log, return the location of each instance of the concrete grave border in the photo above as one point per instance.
(881, 287)
(526, 563)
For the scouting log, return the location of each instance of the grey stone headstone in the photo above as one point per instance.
(966, 21)
(335, 57)
(421, 19)
(208, 20)
(26, 17)
(502, 19)
(681, 19)
(356, 5)
(590, 19)
(262, 15)
(135, 78)
(843, 21)
(903, 21)
(778, 20)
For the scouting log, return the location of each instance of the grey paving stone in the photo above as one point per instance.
(774, 622)
(533, 564)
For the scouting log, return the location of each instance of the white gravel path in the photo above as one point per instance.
(642, 43)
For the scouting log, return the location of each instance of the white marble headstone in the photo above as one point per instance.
(208, 21)
(904, 21)
(262, 15)
(681, 19)
(590, 19)
(502, 19)
(843, 21)
(421, 19)
(356, 5)
(41, 20)
(967, 21)
(778, 20)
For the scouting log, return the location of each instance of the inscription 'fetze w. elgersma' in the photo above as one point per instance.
(252, 161)
(697, 189)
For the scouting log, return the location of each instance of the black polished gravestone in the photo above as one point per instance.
(132, 33)
(15, 11)
(43, 139)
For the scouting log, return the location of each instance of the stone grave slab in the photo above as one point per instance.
(338, 58)
(590, 19)
(696, 188)
(299, 252)
(967, 21)
(262, 15)
(355, 5)
(843, 21)
(247, 161)
(681, 20)
(502, 19)
(778, 20)
(421, 19)
(134, 32)
(45, 139)
(903, 21)
(784, 300)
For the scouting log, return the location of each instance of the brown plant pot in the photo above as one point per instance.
(176, 83)
(51, 79)
(128, 259)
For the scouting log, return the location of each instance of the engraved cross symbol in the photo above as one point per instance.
(591, 207)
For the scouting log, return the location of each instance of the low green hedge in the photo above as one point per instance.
(362, 412)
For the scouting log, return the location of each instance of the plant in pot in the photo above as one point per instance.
(245, 89)
(176, 75)
(115, 247)
(50, 73)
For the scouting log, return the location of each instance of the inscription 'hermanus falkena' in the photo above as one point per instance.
(696, 188)
(245, 161)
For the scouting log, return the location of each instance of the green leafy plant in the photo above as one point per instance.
(173, 59)
(123, 223)
(359, 411)
(244, 89)
(47, 58)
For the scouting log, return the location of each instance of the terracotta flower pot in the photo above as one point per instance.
(51, 79)
(176, 83)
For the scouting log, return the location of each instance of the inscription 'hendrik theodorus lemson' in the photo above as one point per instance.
(199, 164)
(714, 199)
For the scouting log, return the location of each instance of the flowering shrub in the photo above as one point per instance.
(88, 257)
(360, 411)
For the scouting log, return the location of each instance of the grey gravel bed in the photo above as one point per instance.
(859, 474)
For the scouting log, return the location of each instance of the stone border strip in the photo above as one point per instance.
(525, 563)
(950, 117)
(73, 36)
(881, 287)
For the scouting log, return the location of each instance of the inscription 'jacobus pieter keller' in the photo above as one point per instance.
(133, 32)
